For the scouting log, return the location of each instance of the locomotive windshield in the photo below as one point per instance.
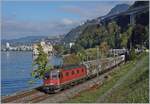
(54, 74)
(51, 75)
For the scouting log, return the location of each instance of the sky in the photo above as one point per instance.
(49, 18)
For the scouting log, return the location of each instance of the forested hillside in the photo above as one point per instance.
(76, 32)
(116, 34)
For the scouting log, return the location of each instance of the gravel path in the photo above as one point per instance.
(102, 98)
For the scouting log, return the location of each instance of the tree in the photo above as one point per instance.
(81, 55)
(124, 40)
(91, 53)
(137, 37)
(104, 48)
(75, 48)
(40, 63)
(129, 30)
(71, 59)
(59, 49)
(113, 30)
(129, 33)
(132, 54)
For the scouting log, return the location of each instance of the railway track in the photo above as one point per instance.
(37, 95)
(39, 98)
(23, 96)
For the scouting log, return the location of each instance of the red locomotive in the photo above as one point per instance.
(61, 77)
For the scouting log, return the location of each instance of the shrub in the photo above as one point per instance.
(132, 54)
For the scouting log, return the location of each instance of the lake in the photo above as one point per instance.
(16, 68)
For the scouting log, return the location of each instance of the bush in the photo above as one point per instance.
(71, 59)
(132, 54)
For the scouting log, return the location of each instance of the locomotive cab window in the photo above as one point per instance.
(54, 75)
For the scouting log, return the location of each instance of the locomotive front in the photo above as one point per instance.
(52, 81)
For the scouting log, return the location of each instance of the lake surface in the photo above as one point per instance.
(15, 71)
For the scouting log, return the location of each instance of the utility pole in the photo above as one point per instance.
(98, 61)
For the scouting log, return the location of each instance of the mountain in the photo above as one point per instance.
(76, 32)
(118, 9)
(24, 40)
(95, 34)
(139, 3)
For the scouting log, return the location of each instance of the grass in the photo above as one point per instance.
(135, 88)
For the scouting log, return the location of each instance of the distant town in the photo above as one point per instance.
(27, 43)
(46, 43)
(16, 48)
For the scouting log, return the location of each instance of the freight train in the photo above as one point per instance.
(61, 77)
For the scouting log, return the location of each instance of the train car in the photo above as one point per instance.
(95, 67)
(58, 78)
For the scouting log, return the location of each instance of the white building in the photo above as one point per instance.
(7, 45)
(47, 48)
(71, 44)
(35, 51)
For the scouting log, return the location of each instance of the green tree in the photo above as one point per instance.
(129, 34)
(129, 30)
(81, 55)
(137, 37)
(113, 30)
(76, 48)
(132, 54)
(91, 53)
(71, 59)
(124, 40)
(59, 49)
(104, 48)
(40, 63)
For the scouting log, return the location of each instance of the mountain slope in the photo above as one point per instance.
(24, 40)
(139, 3)
(76, 32)
(118, 9)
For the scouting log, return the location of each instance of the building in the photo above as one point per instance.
(47, 48)
(71, 44)
(35, 51)
(7, 45)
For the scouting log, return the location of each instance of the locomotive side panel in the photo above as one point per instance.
(71, 75)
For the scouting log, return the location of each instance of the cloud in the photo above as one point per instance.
(90, 10)
(16, 28)
(87, 11)
(67, 21)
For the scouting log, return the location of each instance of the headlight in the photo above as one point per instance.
(51, 83)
